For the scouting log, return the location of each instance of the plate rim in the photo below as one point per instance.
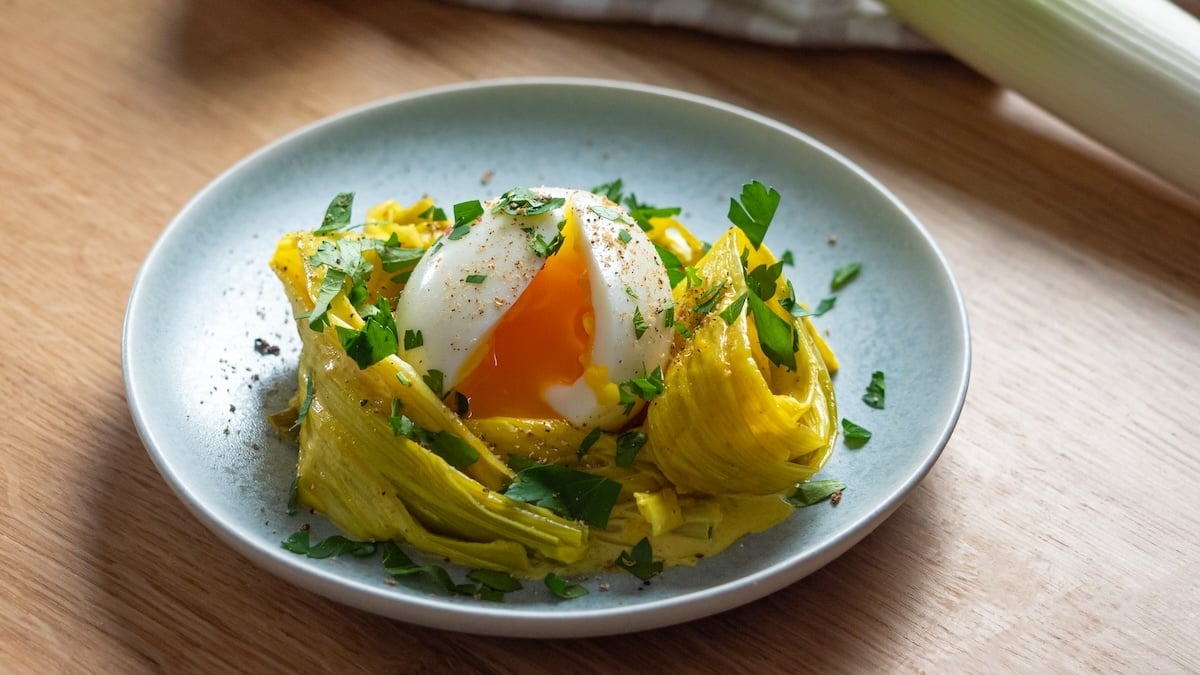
(500, 620)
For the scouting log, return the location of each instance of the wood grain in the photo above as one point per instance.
(1059, 532)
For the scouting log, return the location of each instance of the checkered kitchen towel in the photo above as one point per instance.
(808, 23)
(796, 23)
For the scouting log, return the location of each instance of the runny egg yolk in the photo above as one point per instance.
(544, 339)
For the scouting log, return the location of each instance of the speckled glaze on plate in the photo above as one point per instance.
(200, 392)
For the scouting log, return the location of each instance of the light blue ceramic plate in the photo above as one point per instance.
(200, 392)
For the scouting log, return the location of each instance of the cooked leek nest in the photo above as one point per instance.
(728, 438)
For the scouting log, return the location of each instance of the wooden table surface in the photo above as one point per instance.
(1059, 531)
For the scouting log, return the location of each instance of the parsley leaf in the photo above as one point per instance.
(763, 280)
(525, 202)
(331, 285)
(629, 444)
(571, 493)
(475, 278)
(639, 323)
(397, 564)
(465, 213)
(562, 589)
(645, 388)
(624, 236)
(642, 213)
(856, 436)
(776, 336)
(395, 258)
(788, 259)
(413, 339)
(336, 545)
(755, 212)
(588, 441)
(797, 310)
(610, 213)
(734, 310)
(875, 391)
(337, 215)
(306, 403)
(494, 579)
(640, 561)
(611, 190)
(457, 452)
(541, 247)
(815, 492)
(708, 299)
(844, 275)
(669, 315)
(377, 339)
(433, 379)
(674, 265)
(293, 502)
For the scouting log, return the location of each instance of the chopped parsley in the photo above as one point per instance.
(734, 310)
(588, 441)
(797, 310)
(815, 492)
(640, 212)
(397, 564)
(525, 202)
(563, 590)
(337, 215)
(776, 336)
(413, 339)
(708, 299)
(693, 277)
(465, 213)
(306, 402)
(433, 379)
(674, 266)
(567, 492)
(336, 545)
(450, 447)
(640, 561)
(629, 444)
(624, 236)
(611, 190)
(475, 278)
(541, 247)
(433, 213)
(788, 259)
(764, 279)
(669, 315)
(875, 391)
(844, 275)
(377, 339)
(755, 212)
(293, 502)
(615, 215)
(645, 388)
(639, 323)
(855, 435)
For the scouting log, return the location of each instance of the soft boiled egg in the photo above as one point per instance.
(523, 333)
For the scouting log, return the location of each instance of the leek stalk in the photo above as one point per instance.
(1125, 72)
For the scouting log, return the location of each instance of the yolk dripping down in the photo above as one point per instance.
(544, 339)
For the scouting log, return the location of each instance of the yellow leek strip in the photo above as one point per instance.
(729, 421)
(392, 376)
(1126, 72)
(354, 469)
